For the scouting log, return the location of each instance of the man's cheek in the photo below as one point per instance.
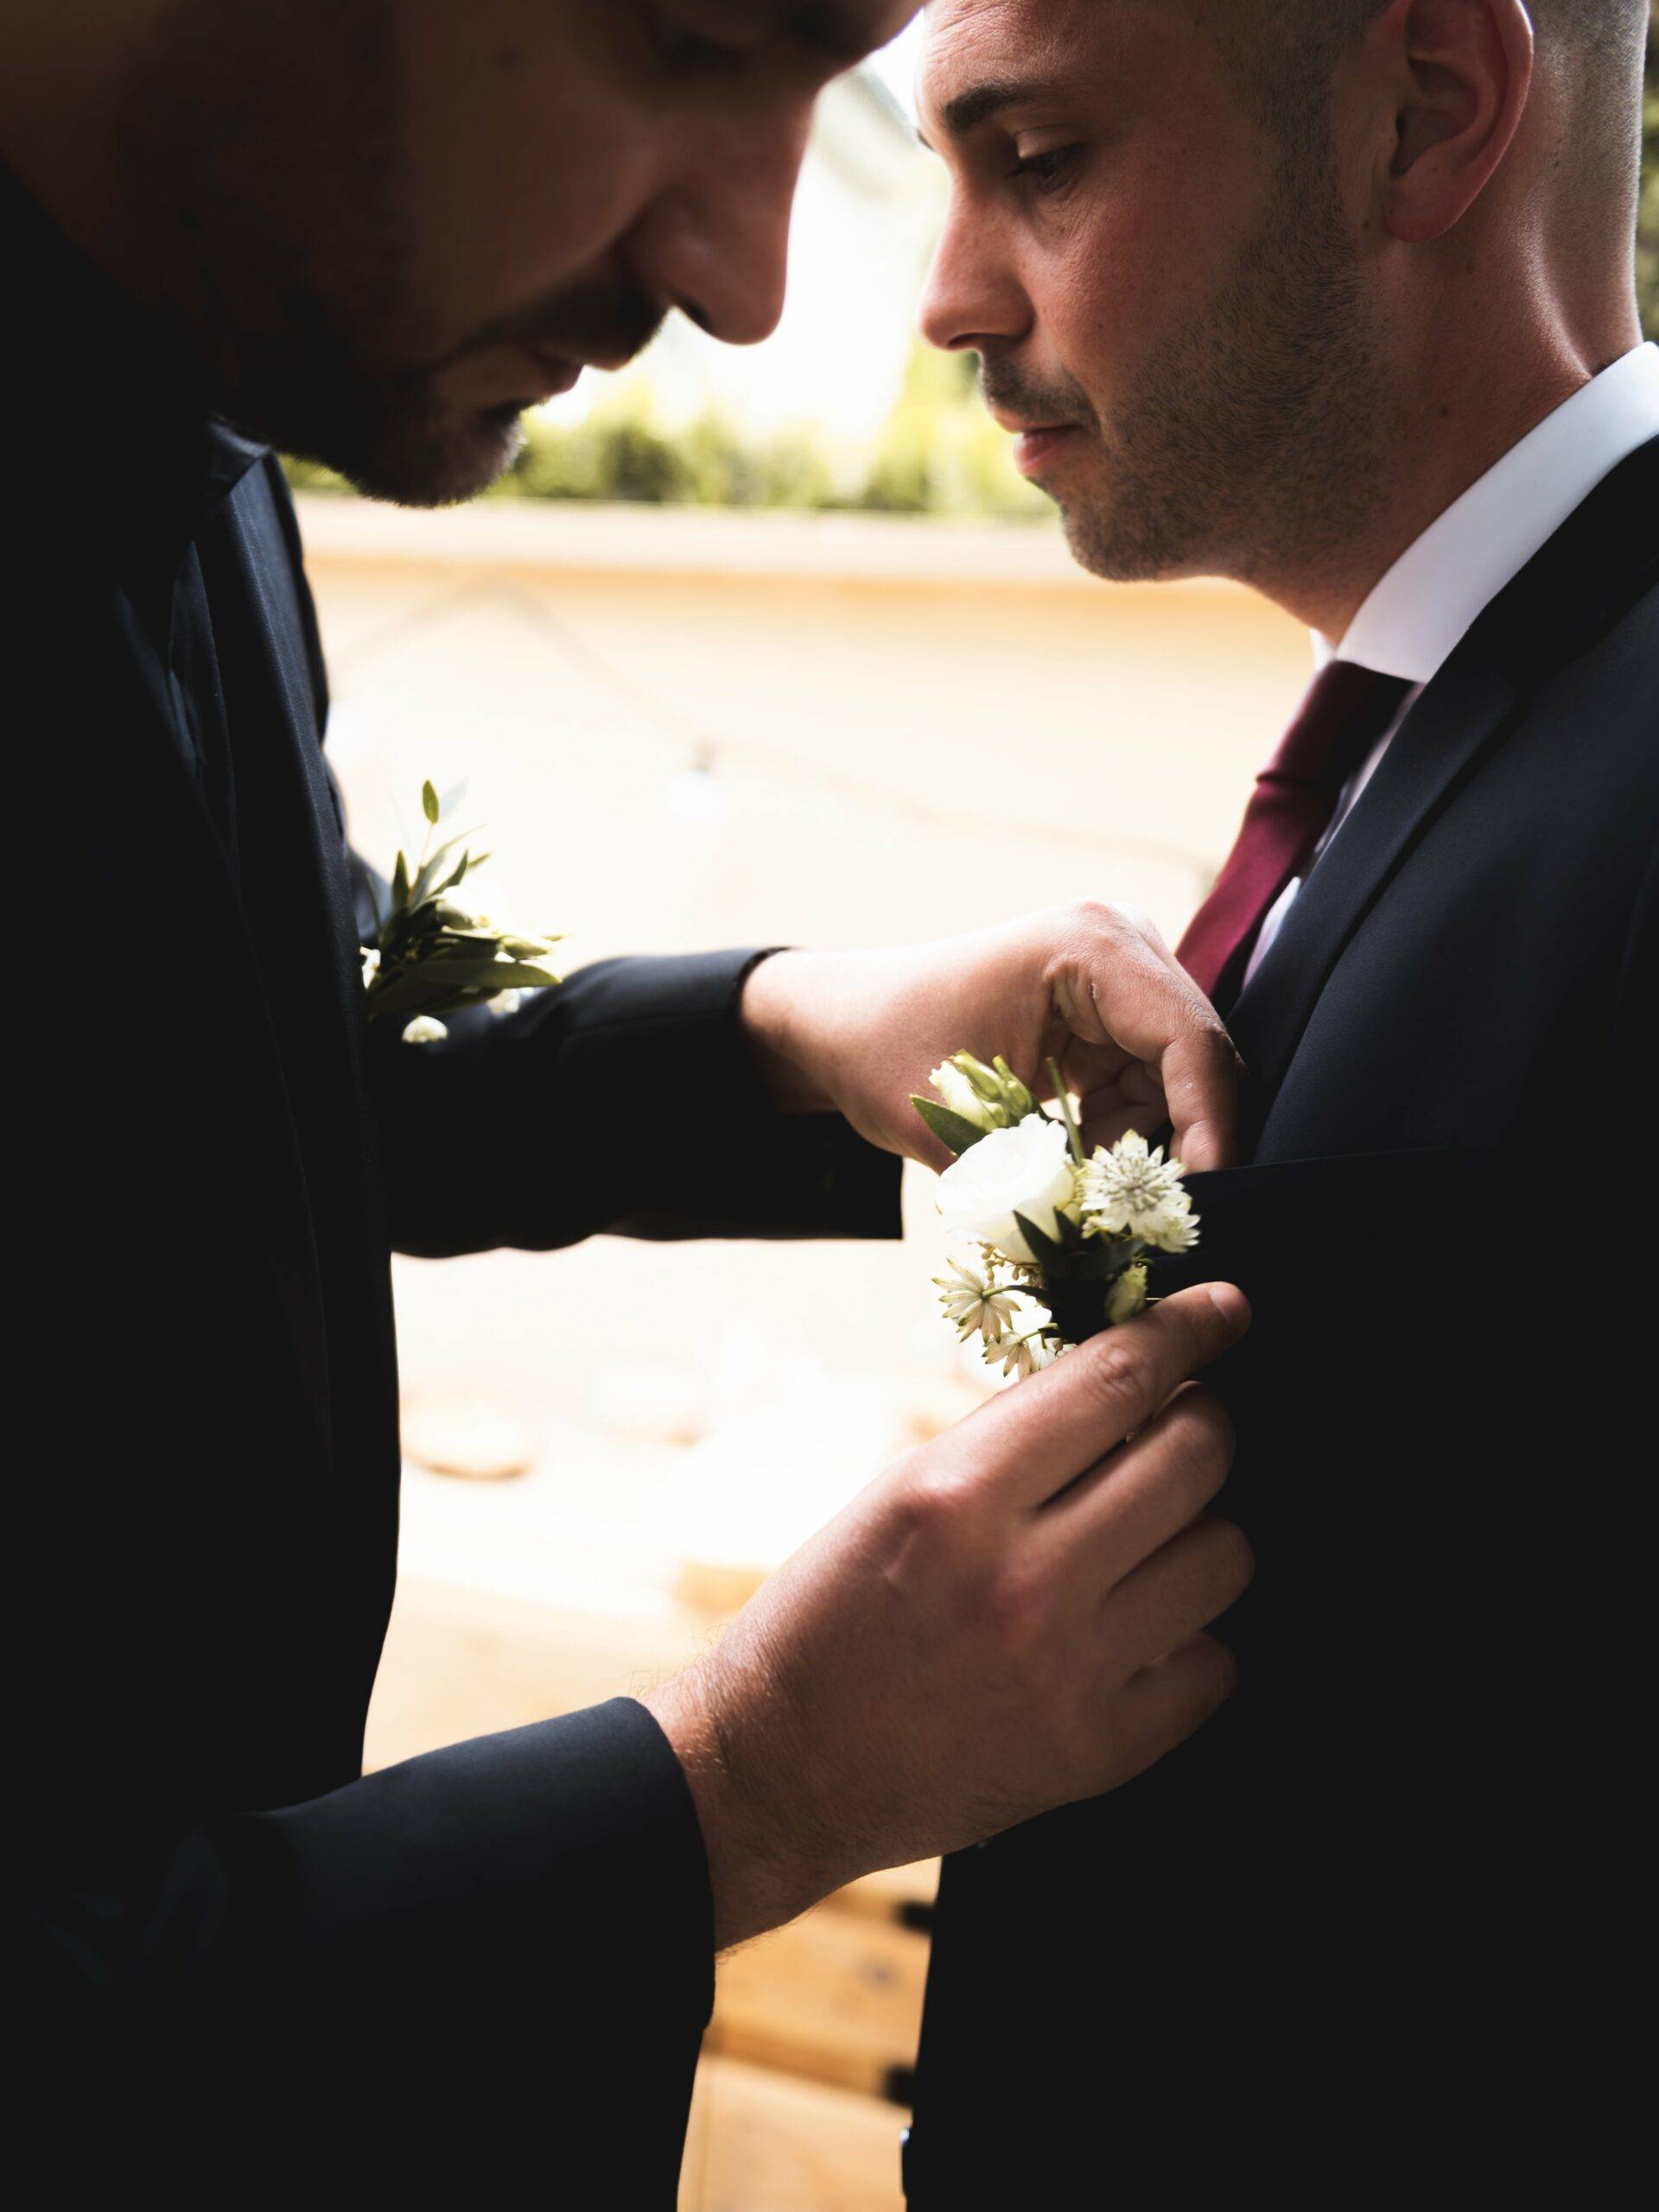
(1131, 281)
(504, 213)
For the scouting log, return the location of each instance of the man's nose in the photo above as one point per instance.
(971, 294)
(714, 240)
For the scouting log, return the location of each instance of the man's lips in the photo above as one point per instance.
(1033, 447)
(1033, 442)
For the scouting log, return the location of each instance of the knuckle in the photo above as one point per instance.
(1091, 923)
(1097, 914)
(1119, 1374)
(929, 1499)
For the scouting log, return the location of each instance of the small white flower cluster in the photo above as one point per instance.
(1129, 1191)
(987, 1297)
(1052, 1229)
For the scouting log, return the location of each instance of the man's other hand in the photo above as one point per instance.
(1094, 986)
(1009, 1619)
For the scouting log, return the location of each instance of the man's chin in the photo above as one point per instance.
(1126, 549)
(433, 465)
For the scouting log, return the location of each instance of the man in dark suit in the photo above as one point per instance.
(1337, 300)
(377, 233)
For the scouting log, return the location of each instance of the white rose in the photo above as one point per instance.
(1027, 1169)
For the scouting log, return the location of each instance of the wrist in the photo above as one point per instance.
(756, 1879)
(771, 1009)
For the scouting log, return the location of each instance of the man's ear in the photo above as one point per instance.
(1461, 71)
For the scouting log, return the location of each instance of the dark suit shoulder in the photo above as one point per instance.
(1596, 719)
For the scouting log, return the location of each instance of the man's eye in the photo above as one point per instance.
(1046, 172)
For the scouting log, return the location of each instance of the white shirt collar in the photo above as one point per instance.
(1427, 601)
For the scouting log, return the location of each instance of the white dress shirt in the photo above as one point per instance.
(1430, 598)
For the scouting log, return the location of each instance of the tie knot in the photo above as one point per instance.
(1347, 710)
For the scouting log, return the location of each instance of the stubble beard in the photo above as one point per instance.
(1252, 447)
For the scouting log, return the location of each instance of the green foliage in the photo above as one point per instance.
(430, 953)
(939, 452)
(311, 475)
(621, 449)
(954, 1131)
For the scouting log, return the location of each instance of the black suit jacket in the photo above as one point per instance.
(1373, 1924)
(505, 1944)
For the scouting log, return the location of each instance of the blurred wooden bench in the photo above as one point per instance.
(836, 1996)
(761, 2141)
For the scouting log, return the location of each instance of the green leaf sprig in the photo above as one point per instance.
(431, 953)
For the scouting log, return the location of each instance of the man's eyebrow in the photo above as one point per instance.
(980, 102)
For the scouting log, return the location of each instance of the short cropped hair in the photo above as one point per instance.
(1286, 51)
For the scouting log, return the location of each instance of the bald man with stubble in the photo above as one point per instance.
(1335, 298)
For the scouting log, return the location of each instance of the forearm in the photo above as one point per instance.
(630, 1100)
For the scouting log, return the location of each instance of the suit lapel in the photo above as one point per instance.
(262, 557)
(1462, 716)
(1588, 574)
(297, 889)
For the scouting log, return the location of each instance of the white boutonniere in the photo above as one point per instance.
(1061, 1240)
(432, 953)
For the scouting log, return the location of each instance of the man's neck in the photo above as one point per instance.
(1457, 424)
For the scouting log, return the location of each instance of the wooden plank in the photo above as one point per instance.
(892, 1893)
(836, 1997)
(764, 2142)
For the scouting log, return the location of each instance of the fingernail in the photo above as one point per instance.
(1232, 1306)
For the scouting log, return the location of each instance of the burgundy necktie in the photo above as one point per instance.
(1345, 712)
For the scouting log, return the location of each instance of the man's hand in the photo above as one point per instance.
(1093, 987)
(1008, 1620)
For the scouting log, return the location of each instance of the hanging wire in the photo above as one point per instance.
(709, 751)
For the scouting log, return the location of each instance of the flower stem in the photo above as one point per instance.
(1074, 1135)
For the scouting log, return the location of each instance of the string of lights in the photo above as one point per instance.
(693, 791)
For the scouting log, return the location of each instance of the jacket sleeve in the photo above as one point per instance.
(553, 1875)
(626, 1100)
